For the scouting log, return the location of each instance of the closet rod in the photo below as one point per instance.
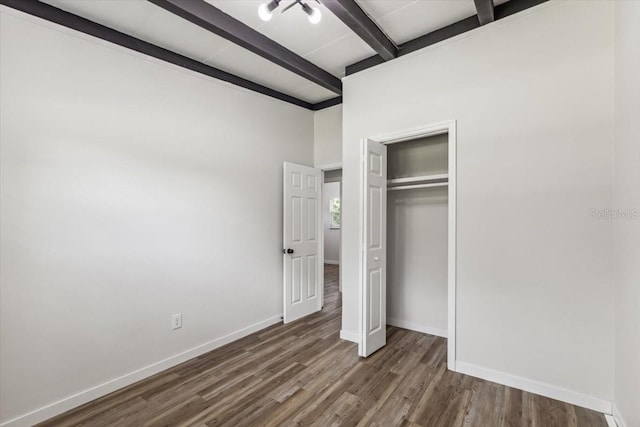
(416, 179)
(409, 187)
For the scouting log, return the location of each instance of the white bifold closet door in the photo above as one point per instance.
(302, 225)
(373, 301)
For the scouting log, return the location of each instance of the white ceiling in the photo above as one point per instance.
(330, 44)
(405, 20)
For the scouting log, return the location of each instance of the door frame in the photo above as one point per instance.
(448, 127)
(323, 169)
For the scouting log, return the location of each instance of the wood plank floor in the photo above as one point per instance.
(303, 374)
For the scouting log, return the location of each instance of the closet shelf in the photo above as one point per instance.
(424, 181)
(409, 187)
(416, 179)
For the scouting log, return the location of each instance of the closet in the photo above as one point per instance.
(408, 246)
(417, 234)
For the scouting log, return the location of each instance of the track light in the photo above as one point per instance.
(265, 11)
(313, 13)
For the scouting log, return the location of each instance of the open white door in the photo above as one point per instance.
(302, 241)
(374, 256)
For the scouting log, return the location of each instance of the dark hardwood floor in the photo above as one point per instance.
(303, 374)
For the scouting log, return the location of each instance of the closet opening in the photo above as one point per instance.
(408, 236)
(417, 234)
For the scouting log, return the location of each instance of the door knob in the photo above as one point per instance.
(376, 259)
(287, 251)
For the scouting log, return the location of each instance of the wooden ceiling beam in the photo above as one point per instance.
(83, 25)
(216, 21)
(352, 15)
(485, 11)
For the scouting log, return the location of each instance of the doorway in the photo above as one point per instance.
(331, 218)
(311, 221)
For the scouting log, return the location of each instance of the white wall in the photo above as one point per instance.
(328, 136)
(626, 243)
(533, 98)
(131, 190)
(330, 190)
(417, 242)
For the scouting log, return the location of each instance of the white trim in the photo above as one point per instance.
(329, 166)
(340, 249)
(361, 214)
(536, 387)
(618, 416)
(349, 336)
(446, 127)
(321, 236)
(326, 261)
(73, 401)
(452, 245)
(417, 132)
(439, 332)
(611, 422)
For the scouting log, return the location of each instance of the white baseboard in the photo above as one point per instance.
(70, 402)
(532, 386)
(393, 321)
(326, 261)
(617, 416)
(349, 336)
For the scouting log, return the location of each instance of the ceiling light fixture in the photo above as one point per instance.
(265, 10)
(313, 13)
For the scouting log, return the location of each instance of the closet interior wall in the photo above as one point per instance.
(417, 239)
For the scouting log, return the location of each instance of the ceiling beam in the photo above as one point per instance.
(501, 11)
(326, 104)
(428, 39)
(485, 11)
(75, 22)
(349, 12)
(213, 19)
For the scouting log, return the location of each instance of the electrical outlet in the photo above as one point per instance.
(176, 321)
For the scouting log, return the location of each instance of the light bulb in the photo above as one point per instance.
(264, 13)
(315, 15)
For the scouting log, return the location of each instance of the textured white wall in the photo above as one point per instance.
(533, 99)
(131, 190)
(328, 136)
(330, 190)
(626, 243)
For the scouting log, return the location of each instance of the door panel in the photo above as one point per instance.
(296, 219)
(302, 227)
(296, 279)
(374, 300)
(374, 295)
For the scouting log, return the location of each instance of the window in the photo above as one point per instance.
(334, 212)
